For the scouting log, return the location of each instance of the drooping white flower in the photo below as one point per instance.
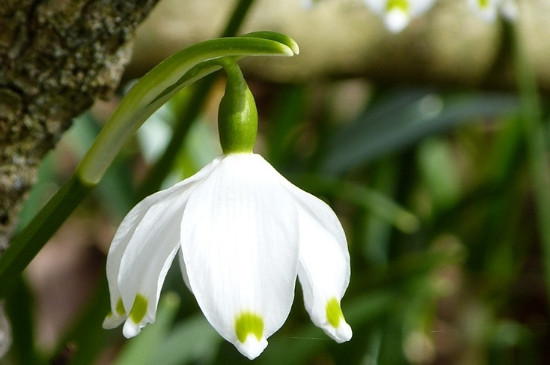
(488, 10)
(397, 14)
(243, 233)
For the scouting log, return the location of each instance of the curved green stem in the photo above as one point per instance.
(162, 167)
(237, 18)
(30, 240)
(159, 85)
(146, 96)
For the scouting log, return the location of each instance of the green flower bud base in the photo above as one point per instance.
(237, 114)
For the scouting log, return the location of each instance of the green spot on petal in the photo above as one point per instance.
(120, 308)
(138, 309)
(398, 4)
(249, 323)
(334, 312)
(483, 3)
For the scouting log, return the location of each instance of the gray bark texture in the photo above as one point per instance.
(56, 58)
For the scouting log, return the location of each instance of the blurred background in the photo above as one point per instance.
(431, 145)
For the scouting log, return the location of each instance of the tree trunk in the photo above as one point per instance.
(56, 58)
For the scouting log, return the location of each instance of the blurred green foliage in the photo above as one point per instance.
(436, 192)
(456, 280)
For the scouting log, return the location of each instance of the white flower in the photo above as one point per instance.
(242, 233)
(398, 13)
(488, 10)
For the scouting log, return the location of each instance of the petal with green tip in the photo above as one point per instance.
(134, 323)
(398, 13)
(324, 266)
(239, 246)
(114, 319)
(340, 331)
(143, 249)
(249, 328)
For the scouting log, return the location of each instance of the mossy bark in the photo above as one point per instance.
(56, 58)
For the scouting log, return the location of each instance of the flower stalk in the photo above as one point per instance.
(237, 114)
(162, 82)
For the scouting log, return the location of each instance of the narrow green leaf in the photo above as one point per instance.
(377, 203)
(284, 124)
(277, 37)
(86, 337)
(19, 305)
(28, 242)
(404, 119)
(440, 174)
(193, 340)
(188, 111)
(161, 83)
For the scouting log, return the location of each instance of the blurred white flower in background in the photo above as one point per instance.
(488, 10)
(397, 14)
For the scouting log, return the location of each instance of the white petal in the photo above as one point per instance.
(486, 10)
(398, 14)
(252, 347)
(113, 320)
(396, 20)
(239, 243)
(324, 266)
(142, 251)
(183, 270)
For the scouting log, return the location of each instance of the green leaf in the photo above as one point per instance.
(284, 124)
(191, 341)
(162, 82)
(19, 305)
(405, 118)
(30, 240)
(440, 174)
(86, 337)
(370, 199)
(276, 37)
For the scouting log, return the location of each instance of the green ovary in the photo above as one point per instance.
(483, 3)
(249, 323)
(398, 4)
(334, 312)
(139, 309)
